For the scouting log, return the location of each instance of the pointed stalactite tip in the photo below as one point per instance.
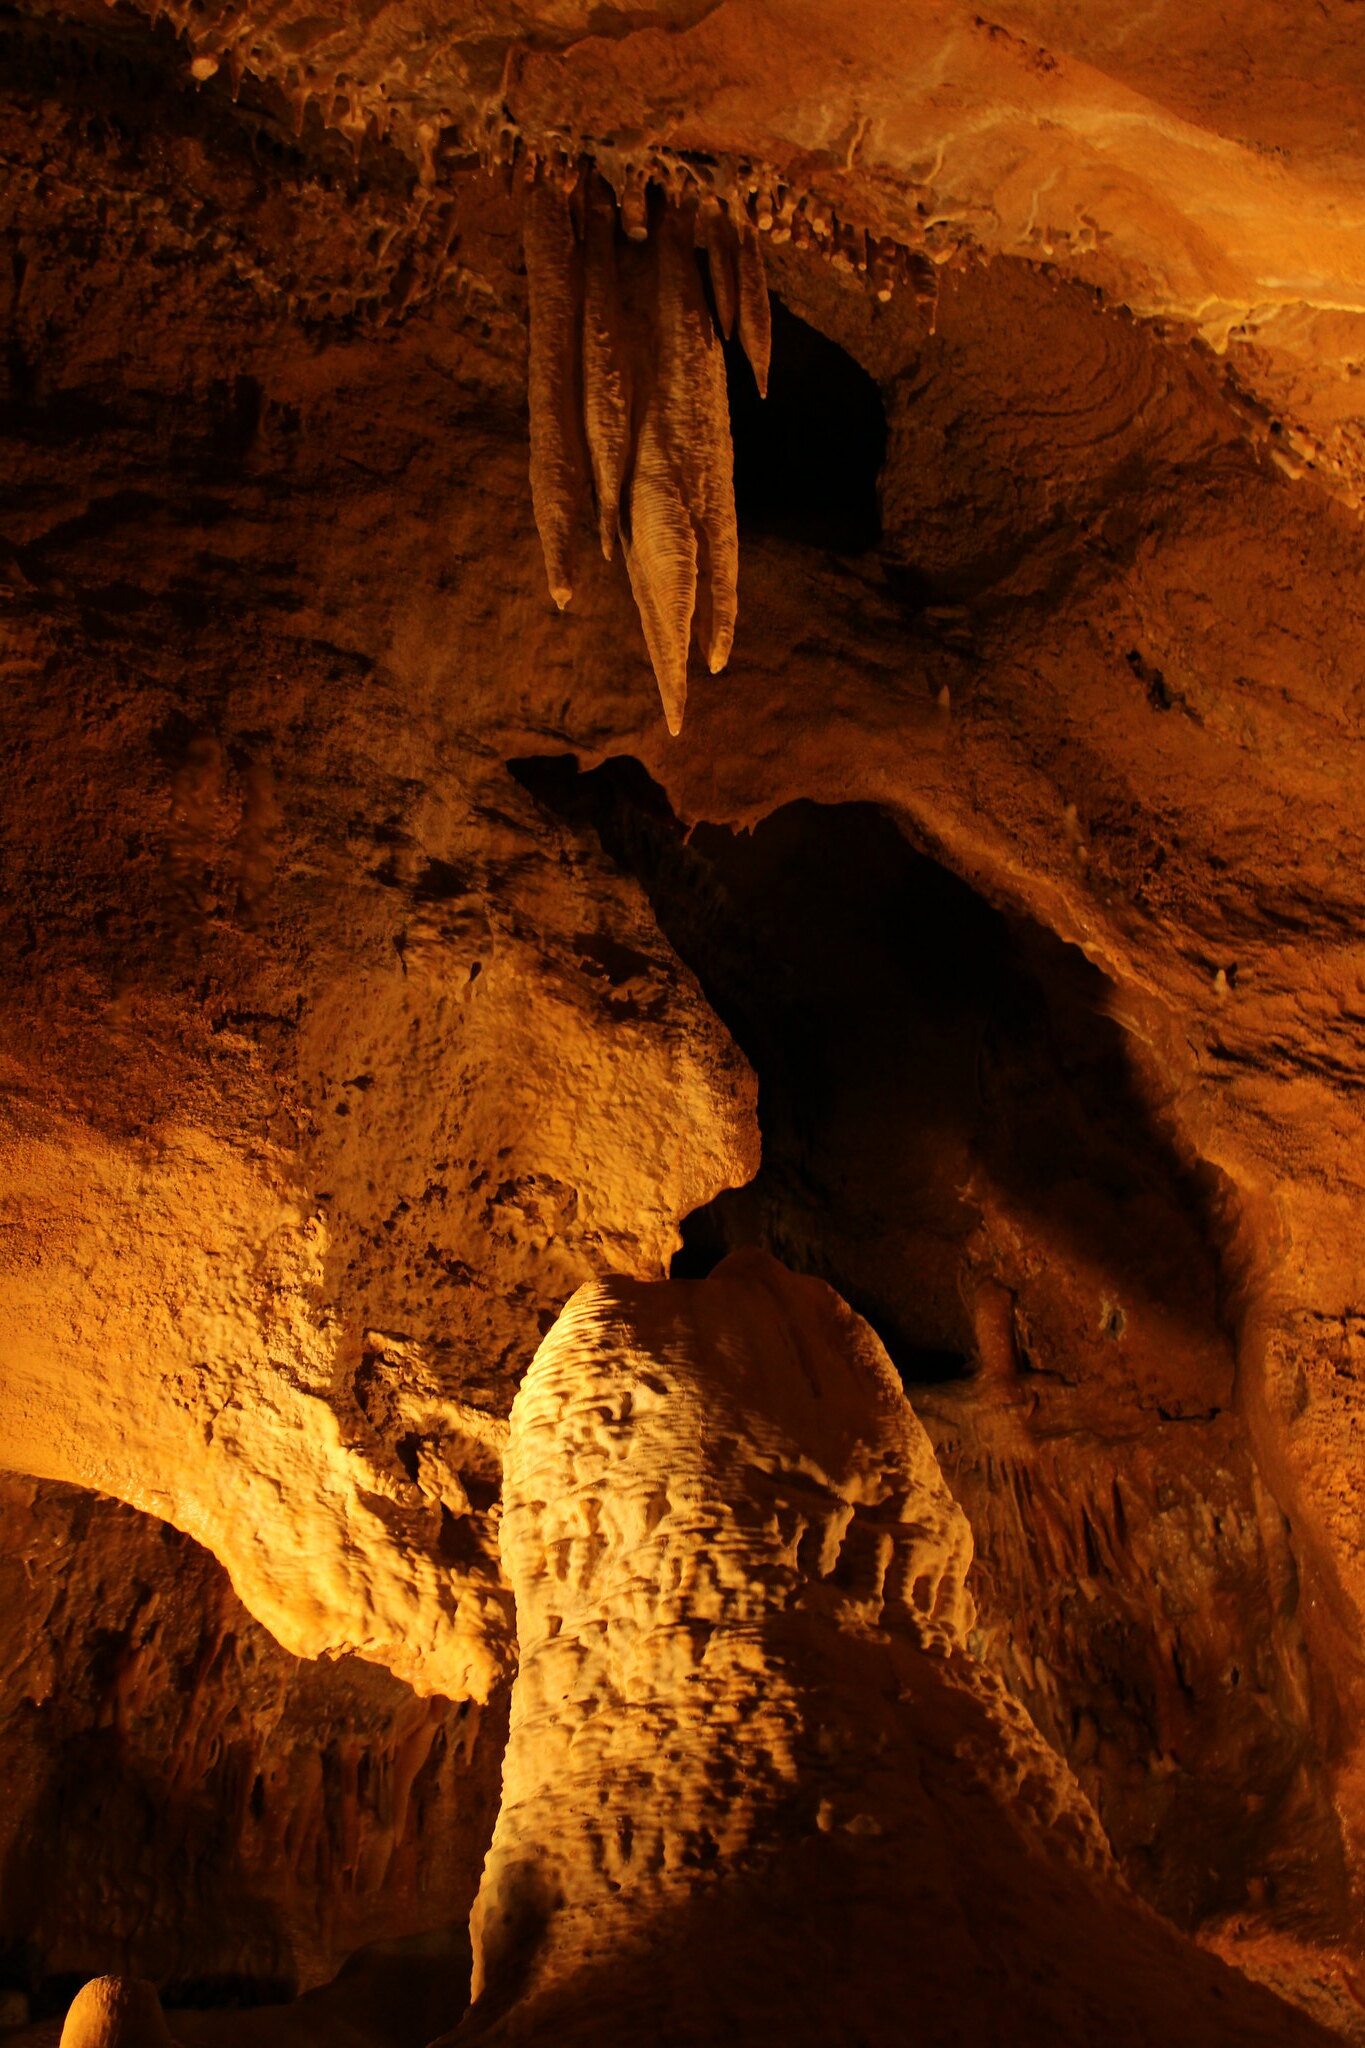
(629, 411)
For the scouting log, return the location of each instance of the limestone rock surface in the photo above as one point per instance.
(450, 1150)
(1202, 168)
(149, 1724)
(754, 1783)
(336, 1056)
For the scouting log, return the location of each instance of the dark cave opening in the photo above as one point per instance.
(949, 1112)
(808, 456)
(956, 1136)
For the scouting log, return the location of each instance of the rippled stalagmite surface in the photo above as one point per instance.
(755, 1784)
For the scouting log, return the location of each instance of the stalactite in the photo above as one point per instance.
(755, 314)
(554, 280)
(685, 454)
(661, 556)
(627, 378)
(606, 363)
(715, 235)
(627, 385)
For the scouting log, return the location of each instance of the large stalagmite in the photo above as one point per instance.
(116, 2012)
(756, 1786)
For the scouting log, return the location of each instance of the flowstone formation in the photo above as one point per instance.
(755, 1783)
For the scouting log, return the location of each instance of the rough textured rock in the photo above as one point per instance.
(393, 1994)
(455, 1144)
(186, 1802)
(953, 1137)
(731, 1803)
(116, 2012)
(335, 1059)
(1202, 172)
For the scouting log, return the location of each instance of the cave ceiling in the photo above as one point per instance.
(404, 926)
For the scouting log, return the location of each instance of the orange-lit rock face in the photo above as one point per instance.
(1202, 169)
(953, 1137)
(730, 1788)
(185, 1801)
(338, 1052)
(220, 1395)
(271, 1271)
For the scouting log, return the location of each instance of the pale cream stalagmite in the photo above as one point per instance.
(756, 1788)
(707, 1483)
(625, 358)
(116, 2012)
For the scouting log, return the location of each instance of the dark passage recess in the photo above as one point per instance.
(927, 1068)
(955, 1136)
(807, 457)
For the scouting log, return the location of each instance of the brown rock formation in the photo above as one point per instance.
(148, 1724)
(625, 361)
(116, 2012)
(347, 1028)
(753, 1781)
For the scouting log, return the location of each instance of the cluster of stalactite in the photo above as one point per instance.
(753, 193)
(629, 404)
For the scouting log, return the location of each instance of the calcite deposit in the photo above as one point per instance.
(627, 385)
(116, 2012)
(416, 1051)
(746, 1731)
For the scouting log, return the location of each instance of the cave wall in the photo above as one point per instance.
(184, 1800)
(285, 922)
(955, 1138)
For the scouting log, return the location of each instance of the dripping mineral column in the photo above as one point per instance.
(628, 395)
